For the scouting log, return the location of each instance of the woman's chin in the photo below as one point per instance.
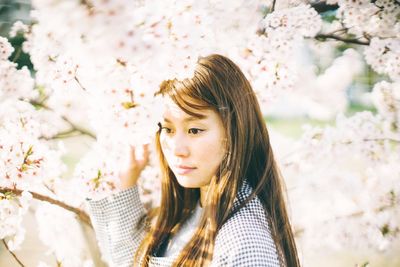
(189, 182)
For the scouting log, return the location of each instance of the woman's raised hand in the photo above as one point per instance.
(138, 159)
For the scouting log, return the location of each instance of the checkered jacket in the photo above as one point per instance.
(244, 240)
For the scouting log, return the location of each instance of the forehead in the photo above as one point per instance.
(171, 110)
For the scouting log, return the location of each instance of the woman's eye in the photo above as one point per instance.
(195, 131)
(164, 129)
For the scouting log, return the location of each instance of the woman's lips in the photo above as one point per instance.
(182, 170)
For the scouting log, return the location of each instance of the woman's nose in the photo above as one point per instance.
(180, 146)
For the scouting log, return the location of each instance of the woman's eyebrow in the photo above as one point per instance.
(188, 119)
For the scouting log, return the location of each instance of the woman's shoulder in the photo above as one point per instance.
(245, 239)
(249, 223)
(253, 211)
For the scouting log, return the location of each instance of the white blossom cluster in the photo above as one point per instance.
(273, 66)
(362, 153)
(384, 56)
(362, 135)
(372, 18)
(12, 211)
(5, 49)
(14, 83)
(58, 230)
(377, 21)
(26, 161)
(99, 169)
(18, 28)
(386, 98)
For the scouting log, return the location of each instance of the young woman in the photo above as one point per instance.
(222, 201)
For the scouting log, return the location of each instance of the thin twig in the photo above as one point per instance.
(322, 37)
(80, 213)
(13, 254)
(342, 30)
(77, 128)
(74, 128)
(273, 6)
(60, 135)
(79, 83)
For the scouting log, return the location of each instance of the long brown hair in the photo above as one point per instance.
(218, 84)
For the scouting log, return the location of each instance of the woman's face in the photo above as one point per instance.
(193, 147)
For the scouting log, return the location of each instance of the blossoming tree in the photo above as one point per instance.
(97, 64)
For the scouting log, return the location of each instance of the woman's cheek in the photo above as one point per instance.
(164, 146)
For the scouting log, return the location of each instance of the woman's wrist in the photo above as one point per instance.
(129, 180)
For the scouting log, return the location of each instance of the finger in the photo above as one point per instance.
(146, 153)
(133, 153)
(142, 154)
(146, 150)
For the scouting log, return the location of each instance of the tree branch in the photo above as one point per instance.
(80, 213)
(323, 37)
(64, 134)
(77, 128)
(13, 254)
(74, 128)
